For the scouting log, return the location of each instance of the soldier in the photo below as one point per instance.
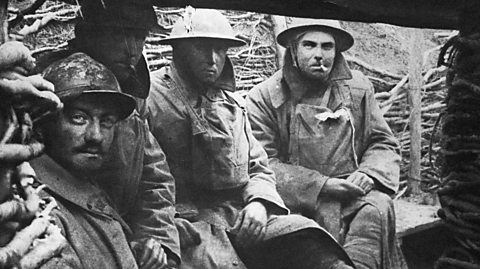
(334, 155)
(77, 140)
(226, 193)
(135, 174)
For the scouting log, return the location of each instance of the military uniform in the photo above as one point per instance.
(331, 134)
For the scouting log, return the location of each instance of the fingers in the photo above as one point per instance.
(238, 222)
(362, 180)
(157, 258)
(244, 232)
(352, 190)
(14, 53)
(149, 254)
(146, 254)
(252, 228)
(38, 82)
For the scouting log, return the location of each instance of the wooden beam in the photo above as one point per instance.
(3, 21)
(437, 14)
(414, 98)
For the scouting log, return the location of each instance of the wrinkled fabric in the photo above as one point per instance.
(135, 174)
(218, 165)
(137, 178)
(95, 232)
(302, 174)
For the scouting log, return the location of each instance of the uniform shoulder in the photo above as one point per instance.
(360, 81)
(159, 77)
(263, 89)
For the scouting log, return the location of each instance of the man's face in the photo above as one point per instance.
(118, 48)
(316, 54)
(205, 57)
(81, 135)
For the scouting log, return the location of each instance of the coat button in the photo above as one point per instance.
(235, 263)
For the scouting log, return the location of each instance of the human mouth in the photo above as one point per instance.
(94, 152)
(320, 68)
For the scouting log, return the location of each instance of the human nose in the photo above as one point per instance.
(94, 132)
(318, 54)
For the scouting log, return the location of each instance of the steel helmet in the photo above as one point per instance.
(131, 14)
(203, 23)
(343, 39)
(79, 74)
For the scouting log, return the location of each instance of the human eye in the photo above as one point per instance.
(78, 117)
(108, 122)
(328, 46)
(308, 44)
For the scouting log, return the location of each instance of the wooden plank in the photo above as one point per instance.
(411, 13)
(412, 217)
(415, 84)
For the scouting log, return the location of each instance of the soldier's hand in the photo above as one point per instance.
(362, 180)
(250, 224)
(341, 189)
(150, 254)
(15, 56)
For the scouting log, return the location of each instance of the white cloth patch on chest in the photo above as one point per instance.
(324, 116)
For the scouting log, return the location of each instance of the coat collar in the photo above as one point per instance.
(292, 80)
(79, 192)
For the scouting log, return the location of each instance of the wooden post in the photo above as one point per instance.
(3, 21)
(415, 102)
(279, 24)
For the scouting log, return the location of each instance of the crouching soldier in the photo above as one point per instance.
(335, 157)
(77, 140)
(232, 215)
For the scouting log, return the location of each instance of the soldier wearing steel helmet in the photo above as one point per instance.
(231, 213)
(335, 157)
(135, 174)
(77, 140)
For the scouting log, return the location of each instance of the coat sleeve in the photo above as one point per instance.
(262, 184)
(298, 186)
(154, 214)
(381, 158)
(67, 258)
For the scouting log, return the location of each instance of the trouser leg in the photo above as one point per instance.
(363, 241)
(301, 249)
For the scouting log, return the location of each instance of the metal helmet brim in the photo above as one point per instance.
(203, 23)
(78, 74)
(344, 40)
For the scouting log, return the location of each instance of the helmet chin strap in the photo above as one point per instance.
(294, 47)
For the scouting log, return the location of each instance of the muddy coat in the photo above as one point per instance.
(313, 137)
(217, 164)
(135, 173)
(136, 177)
(95, 232)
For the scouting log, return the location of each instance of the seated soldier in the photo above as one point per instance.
(335, 157)
(77, 139)
(226, 193)
(135, 173)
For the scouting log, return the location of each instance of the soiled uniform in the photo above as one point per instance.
(331, 134)
(135, 174)
(217, 164)
(95, 232)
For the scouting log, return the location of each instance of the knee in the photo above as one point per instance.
(381, 201)
(367, 223)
